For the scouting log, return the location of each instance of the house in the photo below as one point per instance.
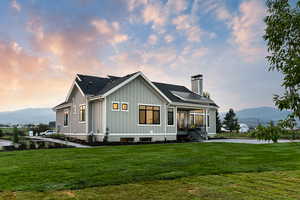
(243, 128)
(132, 108)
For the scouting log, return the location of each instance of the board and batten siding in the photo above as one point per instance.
(134, 93)
(172, 128)
(212, 121)
(75, 126)
(95, 117)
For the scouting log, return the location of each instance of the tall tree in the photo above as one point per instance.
(231, 121)
(218, 123)
(282, 34)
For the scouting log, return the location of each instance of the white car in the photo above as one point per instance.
(48, 132)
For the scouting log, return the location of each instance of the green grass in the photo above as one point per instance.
(275, 185)
(61, 169)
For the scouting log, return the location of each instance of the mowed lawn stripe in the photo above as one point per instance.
(209, 187)
(58, 169)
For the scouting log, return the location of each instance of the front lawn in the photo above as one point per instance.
(273, 185)
(60, 169)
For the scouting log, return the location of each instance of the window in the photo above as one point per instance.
(115, 106)
(124, 106)
(149, 114)
(66, 118)
(82, 109)
(198, 118)
(171, 116)
(126, 139)
(208, 121)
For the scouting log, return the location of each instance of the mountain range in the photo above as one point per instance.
(28, 116)
(260, 115)
(251, 116)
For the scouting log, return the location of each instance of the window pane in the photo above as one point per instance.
(66, 119)
(208, 120)
(115, 106)
(170, 117)
(149, 107)
(156, 116)
(82, 113)
(142, 117)
(124, 106)
(197, 111)
(156, 108)
(149, 117)
(142, 107)
(199, 120)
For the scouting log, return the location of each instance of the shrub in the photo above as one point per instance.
(268, 133)
(1, 133)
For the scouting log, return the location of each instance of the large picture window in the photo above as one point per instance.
(82, 109)
(149, 114)
(171, 116)
(66, 118)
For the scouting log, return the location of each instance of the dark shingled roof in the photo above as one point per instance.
(93, 85)
(170, 89)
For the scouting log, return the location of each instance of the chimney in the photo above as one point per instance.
(197, 84)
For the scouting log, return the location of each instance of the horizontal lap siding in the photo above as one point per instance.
(135, 92)
(76, 98)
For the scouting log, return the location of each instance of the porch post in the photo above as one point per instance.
(206, 128)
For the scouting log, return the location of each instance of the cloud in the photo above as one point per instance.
(169, 38)
(192, 31)
(153, 13)
(133, 4)
(247, 29)
(109, 30)
(246, 25)
(177, 5)
(15, 5)
(152, 39)
(29, 80)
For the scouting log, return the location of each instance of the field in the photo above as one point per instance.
(170, 171)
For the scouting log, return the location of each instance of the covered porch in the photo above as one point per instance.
(192, 119)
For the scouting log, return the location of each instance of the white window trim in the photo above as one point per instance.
(145, 104)
(122, 106)
(205, 114)
(174, 116)
(112, 108)
(66, 111)
(82, 122)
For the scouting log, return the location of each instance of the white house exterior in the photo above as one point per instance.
(132, 108)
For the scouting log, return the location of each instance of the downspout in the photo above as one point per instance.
(166, 122)
(87, 116)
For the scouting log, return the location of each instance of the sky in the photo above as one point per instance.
(44, 44)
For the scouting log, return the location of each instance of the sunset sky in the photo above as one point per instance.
(43, 44)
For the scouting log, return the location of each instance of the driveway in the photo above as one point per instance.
(248, 141)
(5, 143)
(60, 142)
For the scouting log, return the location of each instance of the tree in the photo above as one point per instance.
(230, 121)
(268, 133)
(218, 123)
(282, 35)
